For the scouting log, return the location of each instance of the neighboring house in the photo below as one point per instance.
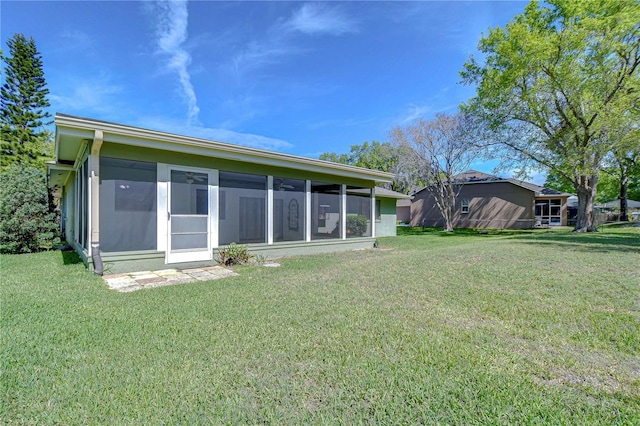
(615, 204)
(611, 210)
(403, 210)
(137, 199)
(486, 201)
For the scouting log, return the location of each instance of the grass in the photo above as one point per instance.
(509, 327)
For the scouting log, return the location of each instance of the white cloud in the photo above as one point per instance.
(412, 113)
(93, 95)
(172, 19)
(259, 54)
(238, 138)
(279, 42)
(215, 134)
(316, 18)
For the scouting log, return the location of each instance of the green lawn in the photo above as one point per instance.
(506, 328)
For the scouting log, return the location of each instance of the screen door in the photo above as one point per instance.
(188, 215)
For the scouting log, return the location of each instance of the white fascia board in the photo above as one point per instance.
(57, 166)
(171, 142)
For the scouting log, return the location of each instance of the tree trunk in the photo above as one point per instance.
(624, 181)
(448, 224)
(586, 191)
(449, 203)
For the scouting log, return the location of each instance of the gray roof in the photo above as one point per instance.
(387, 193)
(474, 177)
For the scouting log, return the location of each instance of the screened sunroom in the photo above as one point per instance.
(135, 198)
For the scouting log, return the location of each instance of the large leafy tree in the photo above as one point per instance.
(557, 181)
(443, 147)
(610, 183)
(24, 101)
(381, 156)
(557, 87)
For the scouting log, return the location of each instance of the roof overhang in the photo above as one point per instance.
(72, 132)
(58, 174)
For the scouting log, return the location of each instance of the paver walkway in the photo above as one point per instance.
(149, 279)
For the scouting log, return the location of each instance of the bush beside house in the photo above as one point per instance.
(356, 225)
(26, 222)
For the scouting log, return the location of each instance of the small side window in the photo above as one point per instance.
(378, 214)
(465, 206)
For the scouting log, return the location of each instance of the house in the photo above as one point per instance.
(610, 211)
(403, 210)
(487, 201)
(138, 199)
(615, 205)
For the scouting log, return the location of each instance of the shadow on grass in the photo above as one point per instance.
(419, 230)
(619, 225)
(592, 242)
(70, 257)
(617, 240)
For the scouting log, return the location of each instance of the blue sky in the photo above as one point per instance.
(295, 77)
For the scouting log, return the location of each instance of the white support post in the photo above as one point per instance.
(214, 209)
(162, 206)
(373, 212)
(269, 209)
(343, 211)
(94, 192)
(307, 211)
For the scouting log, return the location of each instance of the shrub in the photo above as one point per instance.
(26, 222)
(356, 225)
(234, 254)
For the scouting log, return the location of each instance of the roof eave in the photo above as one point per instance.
(83, 127)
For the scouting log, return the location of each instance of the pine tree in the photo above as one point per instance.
(24, 99)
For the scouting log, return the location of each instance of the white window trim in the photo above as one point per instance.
(464, 206)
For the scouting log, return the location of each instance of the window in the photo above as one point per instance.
(465, 206)
(325, 210)
(243, 207)
(378, 213)
(288, 209)
(127, 205)
(549, 211)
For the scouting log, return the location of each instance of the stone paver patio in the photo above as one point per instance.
(150, 279)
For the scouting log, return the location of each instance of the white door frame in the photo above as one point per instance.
(212, 194)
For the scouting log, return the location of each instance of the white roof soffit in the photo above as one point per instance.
(81, 127)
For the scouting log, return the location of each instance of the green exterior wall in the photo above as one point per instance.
(387, 226)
